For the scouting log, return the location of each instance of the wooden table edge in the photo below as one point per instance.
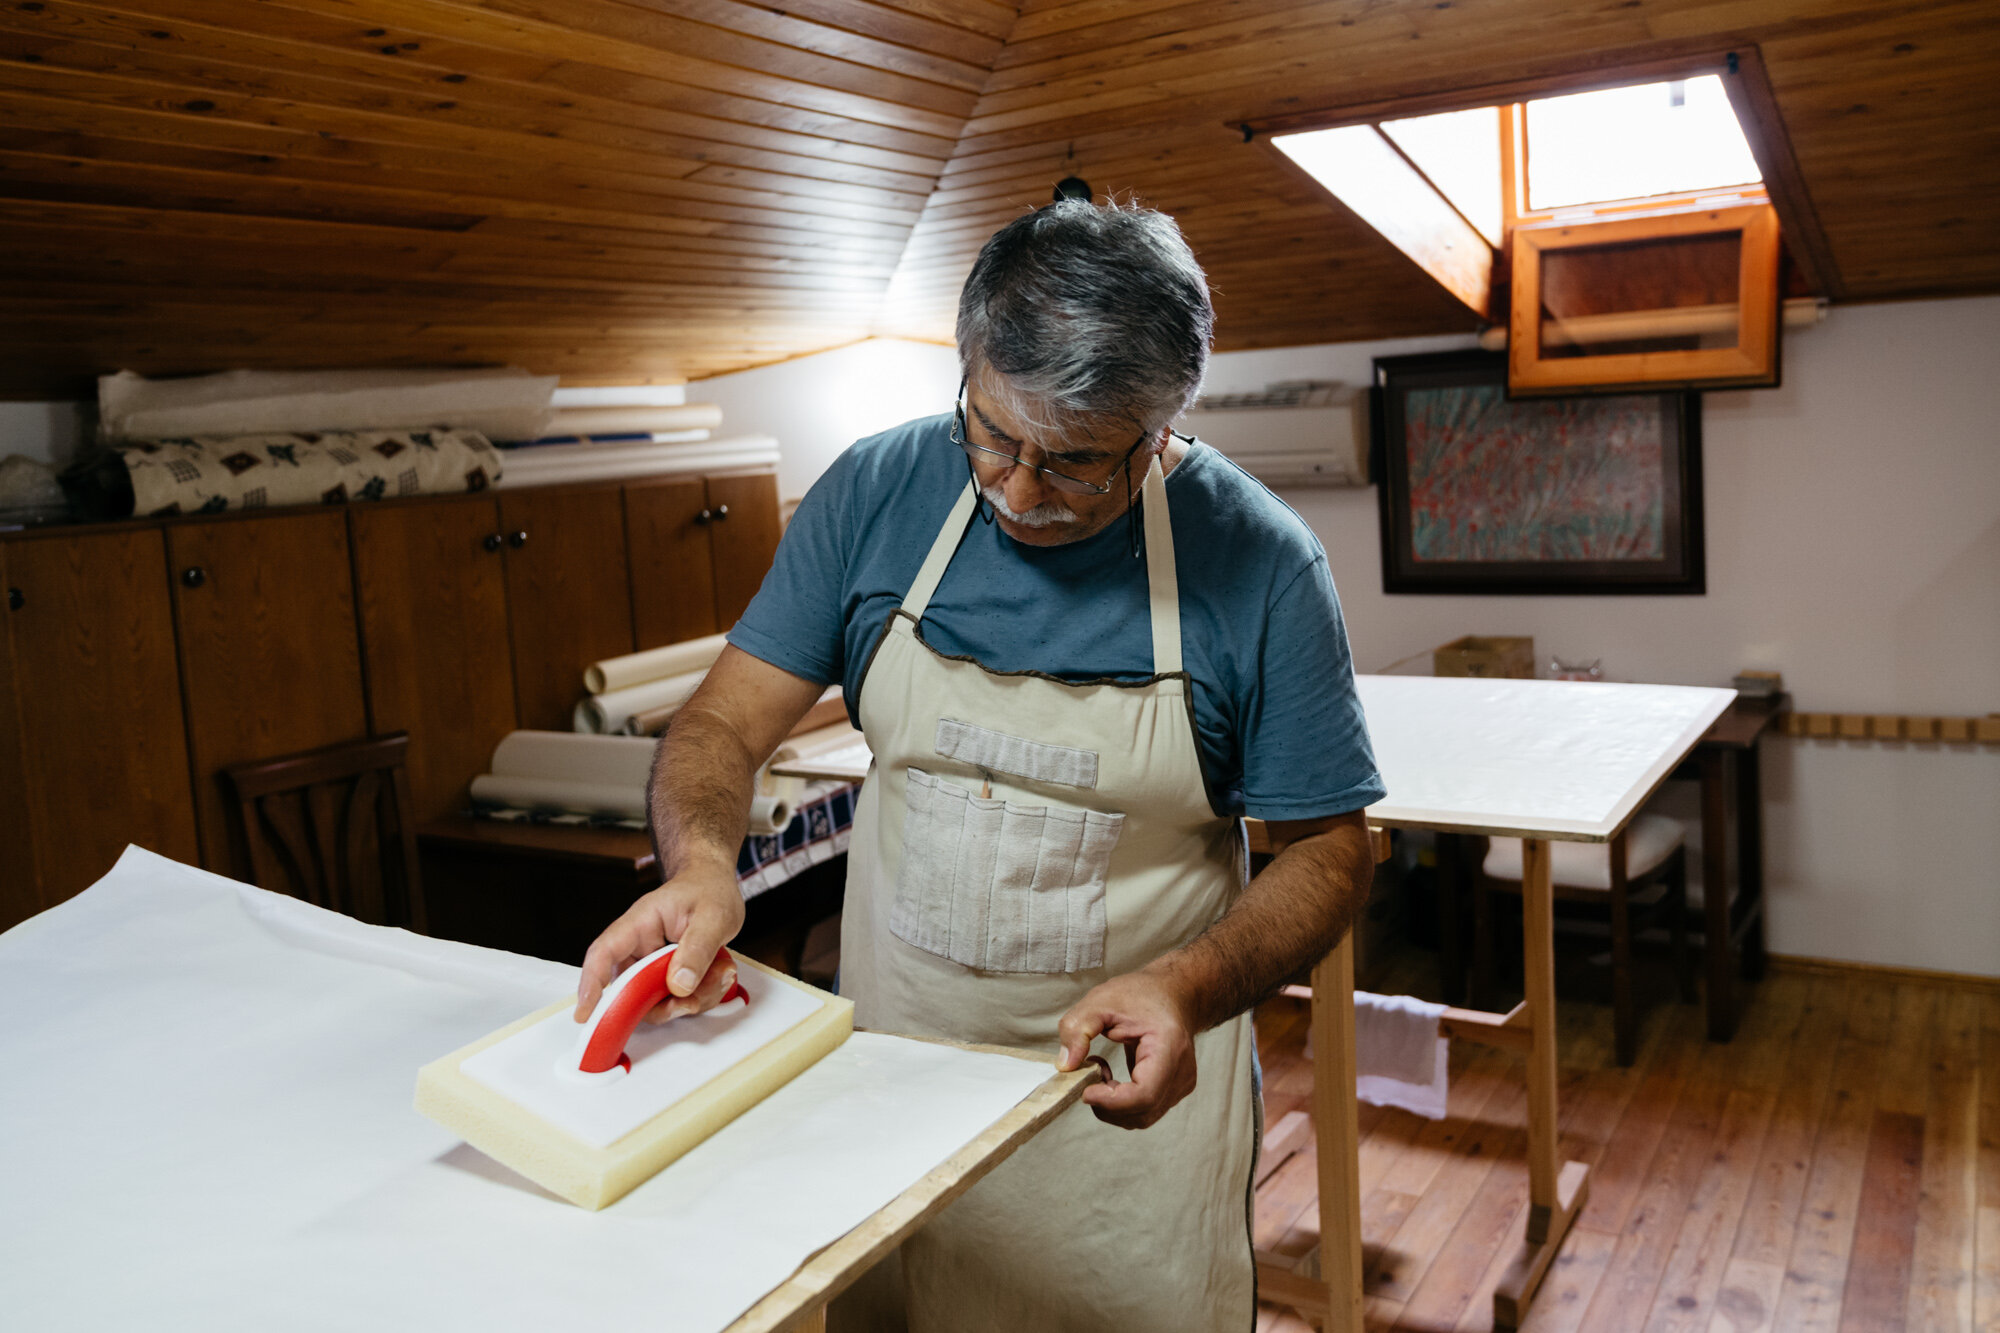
(799, 1302)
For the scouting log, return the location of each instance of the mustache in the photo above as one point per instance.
(1046, 514)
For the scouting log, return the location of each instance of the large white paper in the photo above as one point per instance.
(206, 1123)
(1544, 758)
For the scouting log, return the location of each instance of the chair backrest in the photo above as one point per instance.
(332, 826)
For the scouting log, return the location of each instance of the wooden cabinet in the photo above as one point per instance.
(743, 537)
(432, 587)
(144, 657)
(269, 659)
(699, 551)
(569, 595)
(100, 758)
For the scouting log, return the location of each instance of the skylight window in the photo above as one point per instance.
(1460, 152)
(1630, 143)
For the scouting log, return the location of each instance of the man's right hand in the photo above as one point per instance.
(700, 909)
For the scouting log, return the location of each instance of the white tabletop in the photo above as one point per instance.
(1566, 760)
(206, 1123)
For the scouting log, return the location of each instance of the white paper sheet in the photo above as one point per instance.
(206, 1123)
(1545, 758)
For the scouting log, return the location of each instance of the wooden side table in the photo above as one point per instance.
(548, 889)
(1725, 762)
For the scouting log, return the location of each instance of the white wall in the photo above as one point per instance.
(818, 405)
(1853, 536)
(46, 432)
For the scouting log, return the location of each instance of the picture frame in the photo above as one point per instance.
(1483, 493)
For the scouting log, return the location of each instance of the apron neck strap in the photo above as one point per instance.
(1163, 594)
(932, 573)
(1162, 585)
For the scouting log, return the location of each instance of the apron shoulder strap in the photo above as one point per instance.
(1162, 585)
(918, 598)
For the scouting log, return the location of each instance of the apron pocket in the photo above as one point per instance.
(1002, 887)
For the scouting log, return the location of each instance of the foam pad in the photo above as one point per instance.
(592, 1176)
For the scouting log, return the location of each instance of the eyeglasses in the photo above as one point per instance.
(961, 435)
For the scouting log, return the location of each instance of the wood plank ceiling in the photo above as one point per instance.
(656, 190)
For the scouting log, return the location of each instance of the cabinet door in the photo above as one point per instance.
(673, 581)
(268, 650)
(569, 595)
(97, 698)
(20, 881)
(744, 534)
(434, 618)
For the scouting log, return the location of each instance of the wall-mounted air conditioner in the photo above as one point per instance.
(1293, 433)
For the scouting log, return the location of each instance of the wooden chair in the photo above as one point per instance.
(1632, 882)
(332, 826)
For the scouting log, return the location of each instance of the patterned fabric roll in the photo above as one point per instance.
(205, 474)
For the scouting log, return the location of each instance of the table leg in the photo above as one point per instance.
(1451, 853)
(1750, 855)
(1336, 1120)
(1555, 1192)
(1715, 893)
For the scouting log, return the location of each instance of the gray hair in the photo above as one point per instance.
(1085, 311)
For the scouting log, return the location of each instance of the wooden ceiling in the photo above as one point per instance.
(655, 190)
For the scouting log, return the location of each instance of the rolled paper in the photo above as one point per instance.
(583, 798)
(633, 420)
(606, 713)
(619, 673)
(769, 814)
(547, 464)
(652, 722)
(624, 761)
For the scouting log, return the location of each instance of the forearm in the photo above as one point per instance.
(1288, 918)
(698, 801)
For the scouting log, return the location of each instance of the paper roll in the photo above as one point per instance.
(622, 761)
(651, 723)
(548, 464)
(586, 798)
(769, 814)
(606, 713)
(618, 673)
(633, 420)
(812, 742)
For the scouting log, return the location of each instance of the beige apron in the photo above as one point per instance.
(984, 917)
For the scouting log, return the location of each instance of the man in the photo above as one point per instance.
(1076, 667)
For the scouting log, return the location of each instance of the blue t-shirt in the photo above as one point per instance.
(1280, 728)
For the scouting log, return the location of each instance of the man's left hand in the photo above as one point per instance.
(1141, 1011)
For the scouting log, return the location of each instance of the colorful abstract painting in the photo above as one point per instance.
(1562, 479)
(1568, 494)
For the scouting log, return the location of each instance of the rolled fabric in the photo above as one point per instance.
(633, 420)
(584, 798)
(769, 814)
(606, 713)
(619, 673)
(812, 742)
(622, 761)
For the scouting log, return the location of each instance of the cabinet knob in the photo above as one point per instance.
(721, 512)
(14, 599)
(194, 576)
(491, 541)
(518, 538)
(705, 517)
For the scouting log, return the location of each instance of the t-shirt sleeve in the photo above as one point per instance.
(1304, 740)
(795, 622)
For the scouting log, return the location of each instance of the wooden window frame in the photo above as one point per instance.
(1744, 80)
(1752, 361)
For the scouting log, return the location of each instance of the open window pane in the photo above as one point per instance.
(1460, 152)
(1672, 294)
(1628, 143)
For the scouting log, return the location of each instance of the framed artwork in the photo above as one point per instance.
(1481, 493)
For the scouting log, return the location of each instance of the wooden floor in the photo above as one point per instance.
(1836, 1167)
